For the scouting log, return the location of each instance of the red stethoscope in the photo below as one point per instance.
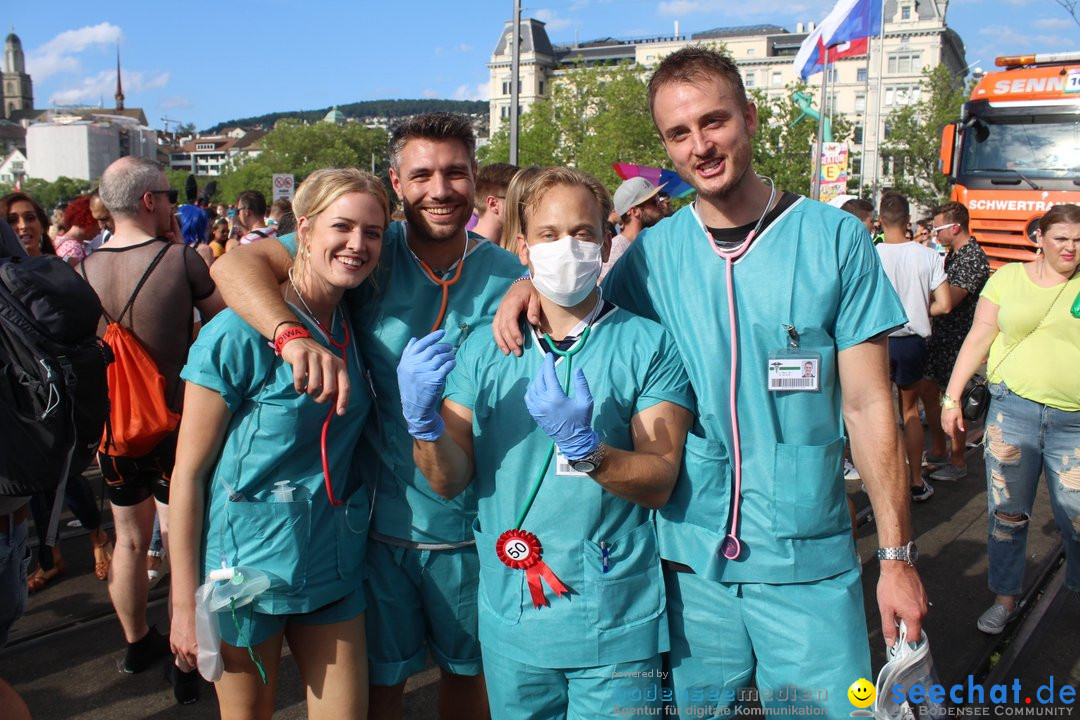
(731, 547)
(343, 346)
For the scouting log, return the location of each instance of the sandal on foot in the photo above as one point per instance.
(102, 558)
(40, 578)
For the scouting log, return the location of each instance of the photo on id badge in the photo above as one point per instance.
(797, 370)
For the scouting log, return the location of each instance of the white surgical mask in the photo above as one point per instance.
(565, 271)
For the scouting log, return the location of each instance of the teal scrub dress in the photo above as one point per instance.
(312, 551)
(813, 270)
(614, 610)
(422, 565)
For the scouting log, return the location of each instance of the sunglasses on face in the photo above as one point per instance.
(935, 230)
(174, 195)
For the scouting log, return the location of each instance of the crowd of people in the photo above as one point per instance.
(588, 445)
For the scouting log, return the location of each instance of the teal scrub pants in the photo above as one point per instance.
(801, 644)
(519, 691)
(421, 600)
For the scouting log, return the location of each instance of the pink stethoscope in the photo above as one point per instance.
(731, 547)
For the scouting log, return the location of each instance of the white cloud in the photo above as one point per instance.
(552, 19)
(59, 54)
(682, 7)
(994, 40)
(429, 94)
(480, 91)
(174, 102)
(102, 86)
(1052, 23)
(463, 48)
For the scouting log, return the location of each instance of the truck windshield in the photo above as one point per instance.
(1047, 147)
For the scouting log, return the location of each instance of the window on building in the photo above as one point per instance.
(777, 78)
(860, 75)
(905, 63)
(857, 138)
(856, 166)
(834, 75)
(504, 112)
(905, 12)
(888, 130)
(506, 87)
(890, 96)
(750, 79)
(860, 102)
(750, 51)
(541, 87)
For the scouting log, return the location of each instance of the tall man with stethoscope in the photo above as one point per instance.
(762, 575)
(432, 276)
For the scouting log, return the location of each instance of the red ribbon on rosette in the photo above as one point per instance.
(521, 550)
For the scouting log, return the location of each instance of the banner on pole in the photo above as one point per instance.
(834, 170)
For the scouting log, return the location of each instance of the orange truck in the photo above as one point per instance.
(1015, 152)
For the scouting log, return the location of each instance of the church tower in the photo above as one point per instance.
(18, 91)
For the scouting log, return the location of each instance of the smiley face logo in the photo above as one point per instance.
(861, 693)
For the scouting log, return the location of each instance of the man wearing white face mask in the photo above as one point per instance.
(571, 447)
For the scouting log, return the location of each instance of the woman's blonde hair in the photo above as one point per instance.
(514, 191)
(321, 189)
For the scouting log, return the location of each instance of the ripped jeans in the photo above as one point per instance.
(1024, 439)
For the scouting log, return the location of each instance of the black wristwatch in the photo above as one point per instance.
(590, 462)
(908, 553)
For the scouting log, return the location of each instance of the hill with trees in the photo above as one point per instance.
(363, 109)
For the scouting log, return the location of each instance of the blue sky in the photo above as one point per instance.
(215, 62)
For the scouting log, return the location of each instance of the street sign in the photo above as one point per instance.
(284, 186)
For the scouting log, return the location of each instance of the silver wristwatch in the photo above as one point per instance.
(590, 462)
(908, 553)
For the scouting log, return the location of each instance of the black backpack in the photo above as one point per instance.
(53, 395)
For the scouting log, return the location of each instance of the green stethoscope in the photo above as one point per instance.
(567, 355)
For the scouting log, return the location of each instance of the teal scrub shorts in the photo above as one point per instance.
(801, 645)
(520, 691)
(420, 601)
(249, 628)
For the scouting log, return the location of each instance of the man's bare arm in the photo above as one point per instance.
(646, 475)
(871, 422)
(249, 278)
(447, 463)
(941, 301)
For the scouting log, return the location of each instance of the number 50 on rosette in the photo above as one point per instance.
(521, 550)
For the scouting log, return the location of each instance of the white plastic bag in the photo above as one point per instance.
(907, 666)
(208, 635)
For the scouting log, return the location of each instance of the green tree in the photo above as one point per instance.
(293, 147)
(783, 145)
(593, 117)
(49, 194)
(913, 137)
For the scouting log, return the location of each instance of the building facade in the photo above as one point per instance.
(212, 155)
(915, 37)
(82, 146)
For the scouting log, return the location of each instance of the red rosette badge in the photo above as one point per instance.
(521, 550)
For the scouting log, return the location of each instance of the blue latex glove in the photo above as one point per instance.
(567, 420)
(421, 378)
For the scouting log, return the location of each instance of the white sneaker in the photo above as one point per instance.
(850, 471)
(949, 473)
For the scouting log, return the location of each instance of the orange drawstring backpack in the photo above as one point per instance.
(139, 417)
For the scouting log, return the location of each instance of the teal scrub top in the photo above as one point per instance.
(630, 364)
(398, 303)
(813, 268)
(313, 551)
